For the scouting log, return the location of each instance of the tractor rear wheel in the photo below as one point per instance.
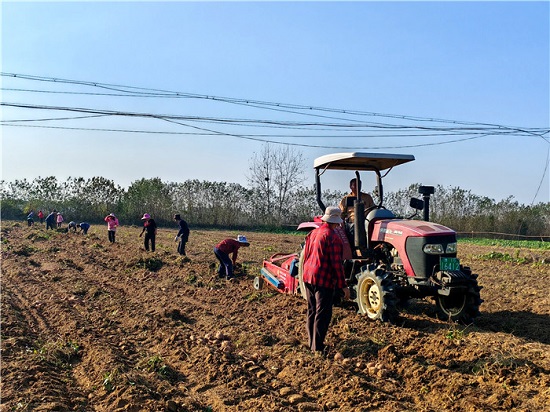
(375, 292)
(461, 306)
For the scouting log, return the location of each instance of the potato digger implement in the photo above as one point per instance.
(387, 259)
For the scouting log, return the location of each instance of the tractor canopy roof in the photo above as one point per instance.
(361, 161)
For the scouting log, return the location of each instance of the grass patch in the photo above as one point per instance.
(39, 237)
(153, 264)
(191, 278)
(505, 257)
(454, 333)
(498, 365)
(110, 379)
(525, 244)
(60, 354)
(156, 364)
(182, 260)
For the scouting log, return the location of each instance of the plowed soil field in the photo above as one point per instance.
(93, 326)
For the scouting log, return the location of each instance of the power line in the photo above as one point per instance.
(177, 120)
(391, 130)
(316, 136)
(247, 137)
(141, 91)
(52, 118)
(542, 177)
(151, 95)
(344, 121)
(536, 132)
(348, 123)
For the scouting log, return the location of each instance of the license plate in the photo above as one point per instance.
(449, 263)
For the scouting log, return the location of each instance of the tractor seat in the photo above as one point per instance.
(376, 214)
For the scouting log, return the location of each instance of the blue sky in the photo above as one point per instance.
(479, 62)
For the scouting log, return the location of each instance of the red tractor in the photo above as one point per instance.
(389, 259)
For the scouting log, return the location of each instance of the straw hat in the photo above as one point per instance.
(332, 215)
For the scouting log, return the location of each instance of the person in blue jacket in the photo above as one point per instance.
(50, 220)
(72, 226)
(30, 218)
(84, 226)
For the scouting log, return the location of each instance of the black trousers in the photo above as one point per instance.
(181, 247)
(149, 238)
(319, 314)
(111, 236)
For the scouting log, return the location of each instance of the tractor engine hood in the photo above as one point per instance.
(402, 229)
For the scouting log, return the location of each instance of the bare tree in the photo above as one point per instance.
(275, 174)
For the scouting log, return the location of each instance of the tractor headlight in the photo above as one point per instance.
(433, 249)
(451, 248)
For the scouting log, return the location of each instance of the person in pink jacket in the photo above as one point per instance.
(59, 219)
(112, 224)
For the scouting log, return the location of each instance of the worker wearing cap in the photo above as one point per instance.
(323, 274)
(150, 229)
(222, 252)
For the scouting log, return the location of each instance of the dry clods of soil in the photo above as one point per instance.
(93, 326)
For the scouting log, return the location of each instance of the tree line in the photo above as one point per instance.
(220, 204)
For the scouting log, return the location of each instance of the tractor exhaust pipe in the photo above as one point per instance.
(426, 191)
(359, 233)
(318, 190)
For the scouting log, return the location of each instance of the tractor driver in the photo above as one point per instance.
(348, 209)
(346, 204)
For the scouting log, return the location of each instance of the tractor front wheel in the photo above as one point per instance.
(461, 305)
(376, 297)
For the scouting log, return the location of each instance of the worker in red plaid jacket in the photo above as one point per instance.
(323, 274)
